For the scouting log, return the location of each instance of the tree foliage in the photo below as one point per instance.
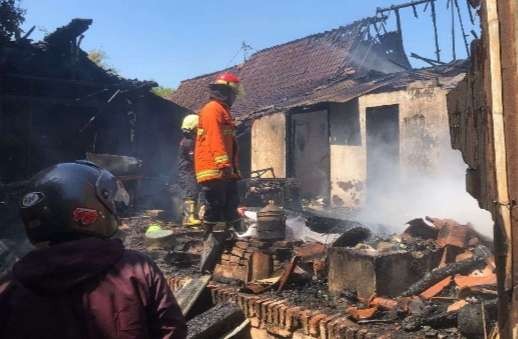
(98, 56)
(11, 19)
(164, 92)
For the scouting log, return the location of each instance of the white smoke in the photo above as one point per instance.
(441, 194)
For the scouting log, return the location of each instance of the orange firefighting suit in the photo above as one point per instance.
(216, 162)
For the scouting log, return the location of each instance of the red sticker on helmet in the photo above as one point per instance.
(84, 216)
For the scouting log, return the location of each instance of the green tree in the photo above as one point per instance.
(99, 57)
(11, 18)
(164, 92)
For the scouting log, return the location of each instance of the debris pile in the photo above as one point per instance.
(436, 279)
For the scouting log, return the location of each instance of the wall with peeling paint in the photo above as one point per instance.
(269, 144)
(424, 139)
(348, 156)
(423, 124)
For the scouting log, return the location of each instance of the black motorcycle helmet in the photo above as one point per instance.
(69, 201)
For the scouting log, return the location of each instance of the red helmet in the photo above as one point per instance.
(231, 80)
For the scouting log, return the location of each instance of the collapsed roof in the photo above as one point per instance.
(291, 71)
(58, 59)
(333, 66)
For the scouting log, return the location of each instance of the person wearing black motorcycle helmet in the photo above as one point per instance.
(79, 283)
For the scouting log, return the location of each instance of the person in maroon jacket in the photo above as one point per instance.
(79, 283)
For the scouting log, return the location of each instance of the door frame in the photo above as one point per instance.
(290, 161)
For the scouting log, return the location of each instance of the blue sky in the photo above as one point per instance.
(171, 40)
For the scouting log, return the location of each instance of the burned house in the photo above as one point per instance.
(56, 105)
(342, 112)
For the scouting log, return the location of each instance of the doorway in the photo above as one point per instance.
(309, 148)
(382, 125)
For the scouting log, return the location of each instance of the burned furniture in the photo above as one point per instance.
(257, 192)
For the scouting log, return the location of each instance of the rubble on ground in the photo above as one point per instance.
(427, 281)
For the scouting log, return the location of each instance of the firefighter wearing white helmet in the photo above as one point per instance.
(190, 123)
(186, 176)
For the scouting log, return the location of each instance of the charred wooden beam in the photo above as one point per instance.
(427, 60)
(441, 273)
(403, 5)
(435, 34)
(189, 294)
(216, 322)
(68, 33)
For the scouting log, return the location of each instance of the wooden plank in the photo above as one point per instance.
(239, 332)
(508, 26)
(187, 295)
(497, 114)
(503, 217)
(287, 272)
(216, 322)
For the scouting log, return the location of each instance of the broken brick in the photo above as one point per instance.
(292, 317)
(239, 252)
(265, 309)
(456, 306)
(309, 250)
(242, 244)
(418, 228)
(464, 256)
(472, 281)
(324, 322)
(314, 324)
(304, 316)
(436, 288)
(453, 233)
(385, 303)
(361, 314)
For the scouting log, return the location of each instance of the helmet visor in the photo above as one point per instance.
(111, 193)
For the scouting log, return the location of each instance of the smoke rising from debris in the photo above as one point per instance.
(436, 192)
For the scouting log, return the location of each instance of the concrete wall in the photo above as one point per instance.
(423, 123)
(308, 144)
(348, 157)
(483, 121)
(424, 138)
(269, 144)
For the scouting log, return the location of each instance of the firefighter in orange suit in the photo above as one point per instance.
(216, 166)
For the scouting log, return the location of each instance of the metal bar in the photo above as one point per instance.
(453, 50)
(464, 36)
(435, 34)
(471, 18)
(403, 5)
(415, 11)
(429, 61)
(426, 6)
(29, 32)
(398, 21)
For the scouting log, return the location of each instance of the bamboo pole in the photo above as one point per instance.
(502, 205)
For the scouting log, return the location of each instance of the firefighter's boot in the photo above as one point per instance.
(189, 214)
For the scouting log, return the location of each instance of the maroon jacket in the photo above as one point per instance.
(90, 288)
